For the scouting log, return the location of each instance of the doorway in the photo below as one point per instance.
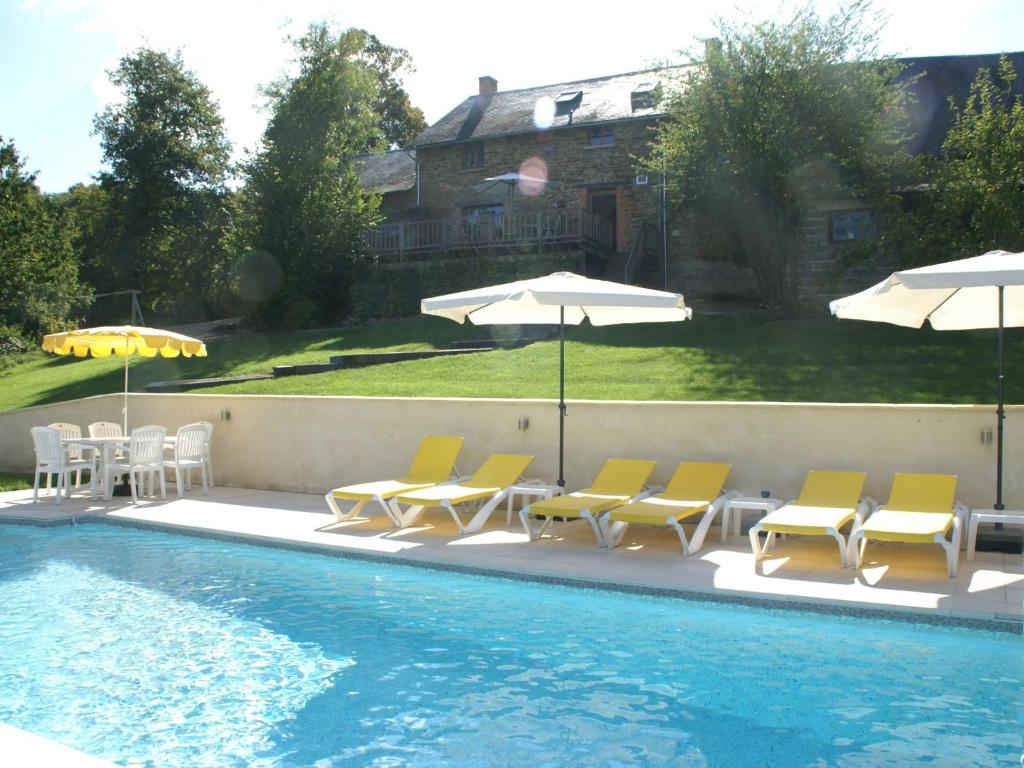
(604, 205)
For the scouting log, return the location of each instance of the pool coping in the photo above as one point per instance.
(907, 615)
(23, 747)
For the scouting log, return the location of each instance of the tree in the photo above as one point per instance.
(773, 116)
(979, 184)
(970, 198)
(400, 122)
(304, 209)
(168, 158)
(39, 273)
(167, 135)
(84, 211)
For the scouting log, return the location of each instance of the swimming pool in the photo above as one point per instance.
(154, 649)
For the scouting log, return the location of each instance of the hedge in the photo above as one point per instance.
(392, 291)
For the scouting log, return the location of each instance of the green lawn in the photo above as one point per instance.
(709, 358)
(39, 378)
(14, 482)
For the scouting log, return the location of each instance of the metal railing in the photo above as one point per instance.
(645, 244)
(418, 239)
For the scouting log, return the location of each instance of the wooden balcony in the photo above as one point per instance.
(513, 230)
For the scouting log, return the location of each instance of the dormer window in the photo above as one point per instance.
(567, 103)
(644, 96)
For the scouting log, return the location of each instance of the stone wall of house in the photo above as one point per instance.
(574, 168)
(699, 275)
(822, 271)
(576, 171)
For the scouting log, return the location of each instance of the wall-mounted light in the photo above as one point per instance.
(524, 423)
(225, 414)
(986, 435)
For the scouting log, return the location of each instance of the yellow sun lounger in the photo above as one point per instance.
(434, 463)
(696, 488)
(828, 501)
(489, 486)
(618, 482)
(921, 509)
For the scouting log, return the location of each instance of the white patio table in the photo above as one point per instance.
(105, 446)
(978, 516)
(108, 446)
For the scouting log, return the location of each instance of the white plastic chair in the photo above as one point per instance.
(145, 456)
(105, 429)
(189, 453)
(108, 429)
(52, 458)
(74, 452)
(208, 451)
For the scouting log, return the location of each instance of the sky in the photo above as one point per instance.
(55, 54)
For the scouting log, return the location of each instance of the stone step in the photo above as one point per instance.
(184, 385)
(359, 360)
(362, 360)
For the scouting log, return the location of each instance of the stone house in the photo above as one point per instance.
(833, 226)
(534, 170)
(557, 168)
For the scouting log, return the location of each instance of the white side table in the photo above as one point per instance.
(530, 490)
(1006, 517)
(734, 509)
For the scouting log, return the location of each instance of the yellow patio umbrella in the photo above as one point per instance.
(123, 341)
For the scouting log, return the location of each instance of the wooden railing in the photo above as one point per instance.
(420, 239)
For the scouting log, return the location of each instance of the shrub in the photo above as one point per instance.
(389, 292)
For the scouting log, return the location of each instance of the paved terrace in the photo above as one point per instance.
(895, 577)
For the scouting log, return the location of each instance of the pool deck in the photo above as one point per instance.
(895, 577)
(21, 748)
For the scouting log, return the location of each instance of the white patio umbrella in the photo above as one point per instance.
(981, 292)
(561, 298)
(514, 179)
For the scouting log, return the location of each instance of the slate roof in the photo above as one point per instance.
(607, 99)
(394, 171)
(940, 78)
(511, 112)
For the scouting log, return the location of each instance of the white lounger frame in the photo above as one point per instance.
(392, 512)
(484, 506)
(611, 534)
(863, 508)
(858, 541)
(585, 514)
(390, 506)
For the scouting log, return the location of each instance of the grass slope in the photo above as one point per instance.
(37, 378)
(709, 358)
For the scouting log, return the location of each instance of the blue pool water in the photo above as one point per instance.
(153, 649)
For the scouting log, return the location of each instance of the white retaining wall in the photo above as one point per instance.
(311, 444)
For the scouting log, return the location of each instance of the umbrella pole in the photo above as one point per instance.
(561, 397)
(1000, 415)
(124, 407)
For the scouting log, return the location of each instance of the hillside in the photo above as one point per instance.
(709, 358)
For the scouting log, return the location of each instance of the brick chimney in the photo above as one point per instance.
(488, 85)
